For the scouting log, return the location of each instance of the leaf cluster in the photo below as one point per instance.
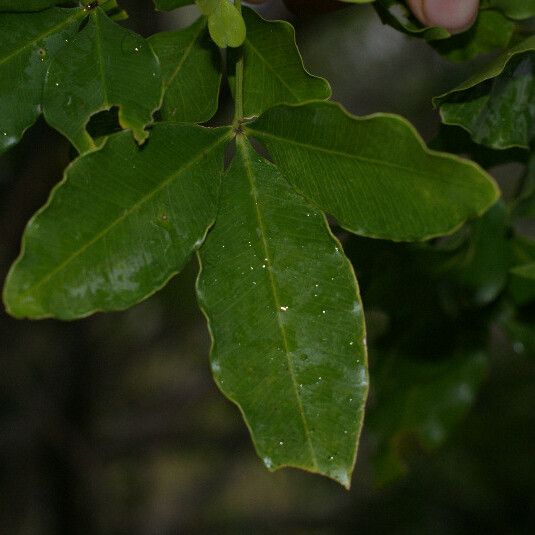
(280, 295)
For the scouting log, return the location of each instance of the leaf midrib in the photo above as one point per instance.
(385, 163)
(100, 57)
(276, 298)
(123, 216)
(186, 54)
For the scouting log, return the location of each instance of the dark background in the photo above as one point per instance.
(113, 425)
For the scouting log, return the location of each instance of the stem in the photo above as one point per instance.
(238, 110)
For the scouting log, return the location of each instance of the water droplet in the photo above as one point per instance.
(263, 266)
(323, 312)
(319, 378)
(345, 431)
(331, 458)
(351, 343)
(57, 84)
(216, 367)
(136, 49)
(267, 462)
(284, 309)
(252, 268)
(281, 443)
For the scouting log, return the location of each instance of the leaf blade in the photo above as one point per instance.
(119, 225)
(302, 385)
(191, 69)
(29, 41)
(105, 65)
(373, 174)
(274, 72)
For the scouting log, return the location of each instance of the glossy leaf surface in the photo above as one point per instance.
(287, 322)
(119, 225)
(273, 69)
(27, 43)
(191, 70)
(374, 174)
(496, 105)
(105, 65)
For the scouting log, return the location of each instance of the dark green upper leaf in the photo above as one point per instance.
(27, 43)
(119, 225)
(105, 65)
(273, 68)
(374, 174)
(496, 105)
(287, 321)
(514, 9)
(397, 14)
(191, 70)
(491, 31)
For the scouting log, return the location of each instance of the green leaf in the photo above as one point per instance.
(105, 65)
(168, 5)
(483, 267)
(374, 174)
(496, 105)
(27, 43)
(119, 225)
(225, 22)
(398, 15)
(191, 70)
(514, 9)
(31, 5)
(286, 318)
(273, 68)
(419, 399)
(491, 31)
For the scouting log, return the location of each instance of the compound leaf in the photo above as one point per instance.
(191, 70)
(286, 318)
(28, 42)
(119, 225)
(374, 174)
(105, 65)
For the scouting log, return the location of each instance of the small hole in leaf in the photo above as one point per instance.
(104, 123)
